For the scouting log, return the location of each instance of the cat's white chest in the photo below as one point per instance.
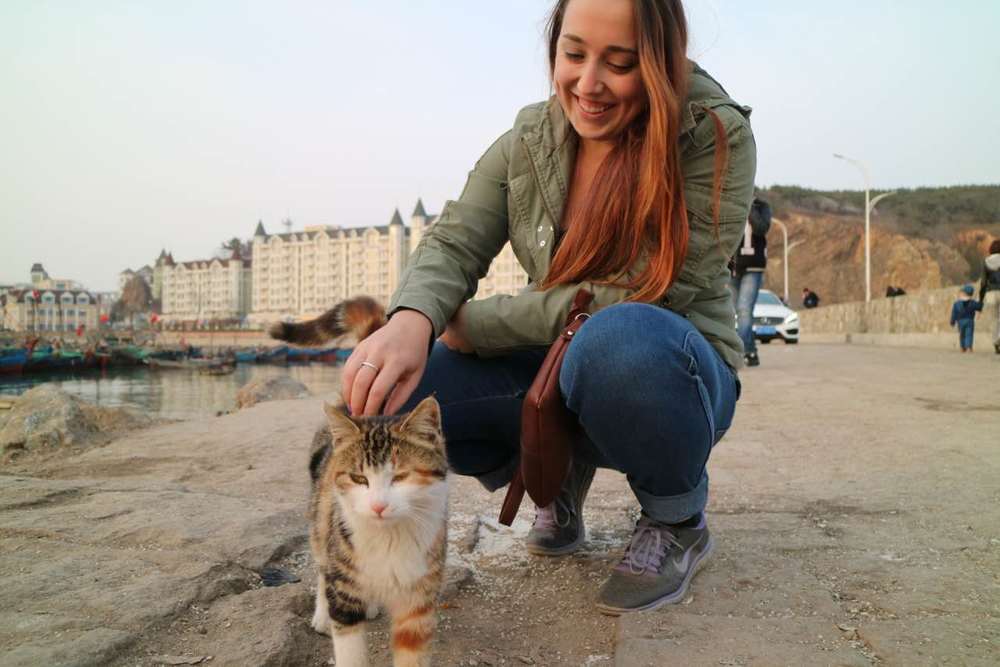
(389, 561)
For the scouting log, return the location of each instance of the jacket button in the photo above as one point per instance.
(541, 243)
(539, 228)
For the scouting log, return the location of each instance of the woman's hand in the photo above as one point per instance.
(387, 364)
(454, 334)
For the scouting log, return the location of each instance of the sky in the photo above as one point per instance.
(131, 126)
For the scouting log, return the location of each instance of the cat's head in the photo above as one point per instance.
(387, 469)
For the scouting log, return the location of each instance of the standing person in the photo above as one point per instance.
(963, 314)
(633, 181)
(748, 266)
(989, 287)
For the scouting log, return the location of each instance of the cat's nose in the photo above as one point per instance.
(378, 507)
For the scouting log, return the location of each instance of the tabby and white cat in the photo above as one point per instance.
(379, 529)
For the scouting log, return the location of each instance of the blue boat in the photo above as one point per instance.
(13, 359)
(246, 357)
(276, 355)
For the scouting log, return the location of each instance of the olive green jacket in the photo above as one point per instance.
(516, 193)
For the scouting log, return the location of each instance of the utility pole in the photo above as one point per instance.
(868, 210)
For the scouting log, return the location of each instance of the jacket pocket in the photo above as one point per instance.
(519, 220)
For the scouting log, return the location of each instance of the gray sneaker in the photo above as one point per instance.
(558, 528)
(657, 568)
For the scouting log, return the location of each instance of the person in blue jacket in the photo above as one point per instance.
(963, 313)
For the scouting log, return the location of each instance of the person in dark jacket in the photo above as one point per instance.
(747, 267)
(990, 285)
(963, 314)
(809, 298)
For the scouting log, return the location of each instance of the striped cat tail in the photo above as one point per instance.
(360, 316)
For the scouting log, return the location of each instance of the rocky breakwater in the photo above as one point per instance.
(47, 417)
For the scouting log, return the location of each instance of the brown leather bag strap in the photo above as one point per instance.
(580, 302)
(574, 320)
(512, 501)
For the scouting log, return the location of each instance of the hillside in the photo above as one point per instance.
(921, 238)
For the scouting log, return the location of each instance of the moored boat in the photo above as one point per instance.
(246, 356)
(13, 359)
(184, 364)
(224, 368)
(276, 355)
(48, 359)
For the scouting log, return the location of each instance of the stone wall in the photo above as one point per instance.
(212, 339)
(919, 319)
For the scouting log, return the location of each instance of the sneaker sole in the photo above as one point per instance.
(672, 598)
(565, 550)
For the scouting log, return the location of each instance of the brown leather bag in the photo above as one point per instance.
(548, 428)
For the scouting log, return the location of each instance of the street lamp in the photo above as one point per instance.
(868, 210)
(784, 233)
(786, 249)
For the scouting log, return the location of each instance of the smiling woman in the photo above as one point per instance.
(632, 181)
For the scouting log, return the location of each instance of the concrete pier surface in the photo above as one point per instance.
(855, 504)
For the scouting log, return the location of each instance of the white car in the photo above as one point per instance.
(773, 319)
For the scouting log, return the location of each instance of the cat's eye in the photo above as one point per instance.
(359, 479)
(400, 476)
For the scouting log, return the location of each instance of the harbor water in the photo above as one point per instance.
(172, 394)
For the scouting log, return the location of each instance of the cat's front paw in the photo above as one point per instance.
(372, 612)
(321, 622)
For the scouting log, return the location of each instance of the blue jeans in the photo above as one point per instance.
(966, 330)
(652, 396)
(745, 289)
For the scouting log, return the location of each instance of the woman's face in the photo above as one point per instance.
(596, 73)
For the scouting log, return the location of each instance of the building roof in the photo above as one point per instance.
(397, 219)
(18, 296)
(205, 263)
(37, 266)
(260, 229)
(419, 209)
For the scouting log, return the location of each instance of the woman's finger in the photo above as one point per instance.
(351, 367)
(364, 377)
(383, 383)
(402, 392)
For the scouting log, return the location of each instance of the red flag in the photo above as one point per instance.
(79, 330)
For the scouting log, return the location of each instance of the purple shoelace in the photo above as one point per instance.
(649, 545)
(547, 518)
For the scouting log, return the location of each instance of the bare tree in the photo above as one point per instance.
(243, 249)
(136, 298)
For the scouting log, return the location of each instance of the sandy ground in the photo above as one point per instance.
(856, 506)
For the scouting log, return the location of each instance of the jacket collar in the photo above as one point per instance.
(551, 145)
(551, 149)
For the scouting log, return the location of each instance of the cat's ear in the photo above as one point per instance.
(424, 421)
(340, 424)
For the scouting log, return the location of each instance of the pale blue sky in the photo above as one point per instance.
(130, 126)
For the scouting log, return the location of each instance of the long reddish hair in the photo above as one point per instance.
(635, 208)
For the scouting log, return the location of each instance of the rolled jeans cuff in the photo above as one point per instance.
(673, 509)
(501, 477)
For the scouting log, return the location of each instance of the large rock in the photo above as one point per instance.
(271, 389)
(47, 416)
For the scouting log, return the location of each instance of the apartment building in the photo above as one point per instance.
(301, 274)
(207, 289)
(49, 310)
